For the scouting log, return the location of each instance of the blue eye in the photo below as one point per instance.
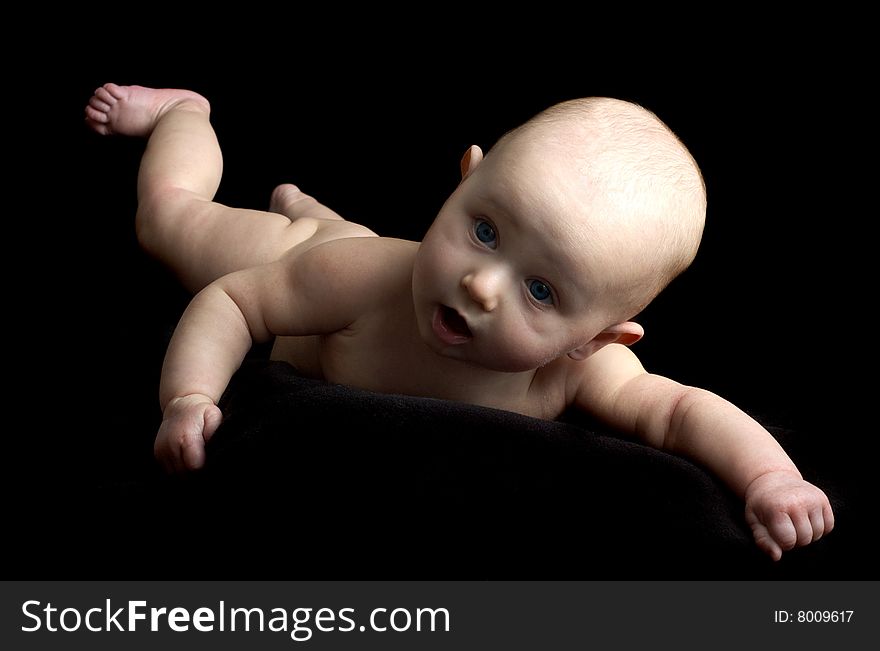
(485, 233)
(541, 292)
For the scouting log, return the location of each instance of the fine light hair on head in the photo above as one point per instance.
(644, 186)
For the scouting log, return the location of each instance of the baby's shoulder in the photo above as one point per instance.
(591, 379)
(595, 379)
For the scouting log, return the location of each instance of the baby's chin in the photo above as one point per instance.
(471, 355)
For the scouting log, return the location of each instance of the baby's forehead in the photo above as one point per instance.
(560, 145)
(584, 181)
(550, 167)
(544, 185)
(538, 199)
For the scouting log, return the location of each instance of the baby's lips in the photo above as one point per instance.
(450, 327)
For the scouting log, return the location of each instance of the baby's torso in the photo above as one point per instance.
(384, 353)
(363, 361)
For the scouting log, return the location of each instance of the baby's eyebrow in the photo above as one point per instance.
(569, 273)
(488, 198)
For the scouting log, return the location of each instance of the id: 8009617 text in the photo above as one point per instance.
(813, 616)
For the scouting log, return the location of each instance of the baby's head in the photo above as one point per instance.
(567, 229)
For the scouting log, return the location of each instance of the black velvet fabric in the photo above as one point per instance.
(307, 478)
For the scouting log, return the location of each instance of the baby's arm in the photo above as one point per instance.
(323, 290)
(782, 509)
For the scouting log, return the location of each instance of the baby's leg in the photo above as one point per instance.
(177, 221)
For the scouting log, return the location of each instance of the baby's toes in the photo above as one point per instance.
(103, 93)
(99, 104)
(96, 115)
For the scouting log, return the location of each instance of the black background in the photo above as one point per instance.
(768, 316)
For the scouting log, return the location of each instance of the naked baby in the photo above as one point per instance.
(519, 297)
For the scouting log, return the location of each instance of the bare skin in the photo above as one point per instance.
(490, 308)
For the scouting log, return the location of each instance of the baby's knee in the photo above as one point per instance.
(159, 214)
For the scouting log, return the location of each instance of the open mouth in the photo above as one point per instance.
(450, 327)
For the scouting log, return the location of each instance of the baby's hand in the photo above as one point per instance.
(785, 511)
(187, 424)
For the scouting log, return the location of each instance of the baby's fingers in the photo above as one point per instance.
(213, 418)
(193, 447)
(805, 528)
(822, 520)
(828, 516)
(192, 454)
(180, 443)
(785, 531)
(180, 454)
(171, 458)
(765, 541)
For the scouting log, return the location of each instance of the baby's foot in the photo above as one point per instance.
(290, 201)
(135, 110)
(283, 199)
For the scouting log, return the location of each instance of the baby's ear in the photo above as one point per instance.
(626, 333)
(472, 157)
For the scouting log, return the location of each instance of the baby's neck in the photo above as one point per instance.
(485, 386)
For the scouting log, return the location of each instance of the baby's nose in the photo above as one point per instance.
(483, 288)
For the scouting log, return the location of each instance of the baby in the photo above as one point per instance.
(519, 297)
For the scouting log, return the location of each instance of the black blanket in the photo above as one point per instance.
(309, 478)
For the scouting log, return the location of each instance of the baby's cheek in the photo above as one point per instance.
(444, 263)
(524, 349)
